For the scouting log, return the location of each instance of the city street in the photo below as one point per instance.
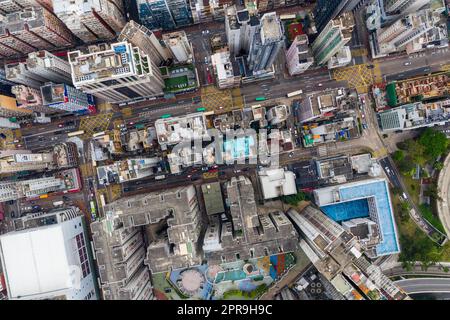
(423, 285)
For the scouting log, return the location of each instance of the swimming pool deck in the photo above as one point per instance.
(352, 194)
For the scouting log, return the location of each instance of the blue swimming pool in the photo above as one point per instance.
(347, 210)
(354, 202)
(239, 147)
(380, 191)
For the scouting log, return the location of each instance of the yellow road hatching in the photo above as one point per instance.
(99, 122)
(358, 76)
(214, 99)
(359, 52)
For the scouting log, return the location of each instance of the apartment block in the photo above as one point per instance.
(63, 97)
(227, 72)
(404, 6)
(63, 181)
(299, 56)
(246, 233)
(120, 257)
(19, 72)
(164, 14)
(30, 99)
(140, 36)
(174, 215)
(333, 38)
(240, 28)
(49, 66)
(23, 160)
(179, 46)
(33, 28)
(91, 20)
(265, 44)
(117, 73)
(411, 33)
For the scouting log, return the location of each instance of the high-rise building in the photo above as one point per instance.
(265, 44)
(164, 14)
(91, 20)
(240, 28)
(174, 246)
(47, 257)
(404, 6)
(118, 72)
(20, 73)
(412, 33)
(327, 10)
(24, 160)
(32, 29)
(120, 254)
(9, 108)
(60, 182)
(67, 98)
(139, 36)
(49, 66)
(179, 45)
(227, 73)
(10, 6)
(299, 57)
(30, 99)
(336, 34)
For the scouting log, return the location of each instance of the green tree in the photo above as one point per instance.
(416, 151)
(434, 142)
(398, 155)
(438, 165)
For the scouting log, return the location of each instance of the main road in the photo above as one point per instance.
(424, 285)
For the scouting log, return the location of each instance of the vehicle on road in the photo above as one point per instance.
(319, 85)
(93, 211)
(75, 133)
(291, 154)
(60, 125)
(165, 116)
(294, 93)
(407, 63)
(404, 196)
(260, 98)
(161, 177)
(201, 109)
(58, 203)
(98, 134)
(387, 170)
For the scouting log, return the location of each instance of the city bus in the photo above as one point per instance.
(201, 109)
(165, 116)
(98, 134)
(295, 93)
(260, 98)
(75, 133)
(102, 200)
(93, 210)
(287, 17)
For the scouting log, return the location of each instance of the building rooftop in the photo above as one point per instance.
(270, 27)
(103, 62)
(212, 196)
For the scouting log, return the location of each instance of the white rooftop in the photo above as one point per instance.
(35, 262)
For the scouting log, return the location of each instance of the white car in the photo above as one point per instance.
(407, 63)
